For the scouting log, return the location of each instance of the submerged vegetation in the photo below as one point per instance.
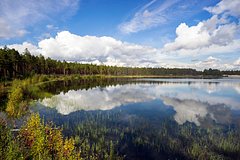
(136, 136)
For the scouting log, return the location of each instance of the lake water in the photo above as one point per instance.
(151, 118)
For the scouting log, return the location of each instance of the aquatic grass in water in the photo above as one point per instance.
(145, 119)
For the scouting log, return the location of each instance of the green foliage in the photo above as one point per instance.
(36, 141)
(39, 141)
(15, 65)
(33, 137)
(22, 92)
(16, 106)
(212, 72)
(9, 146)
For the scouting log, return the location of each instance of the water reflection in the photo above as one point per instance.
(196, 101)
(187, 110)
(195, 111)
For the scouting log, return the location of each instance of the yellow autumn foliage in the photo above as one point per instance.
(15, 102)
(45, 141)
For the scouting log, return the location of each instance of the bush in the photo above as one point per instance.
(16, 106)
(40, 141)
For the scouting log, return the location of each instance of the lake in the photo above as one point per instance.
(149, 118)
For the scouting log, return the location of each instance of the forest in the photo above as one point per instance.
(16, 65)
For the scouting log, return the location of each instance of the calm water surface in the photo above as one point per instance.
(153, 112)
(186, 100)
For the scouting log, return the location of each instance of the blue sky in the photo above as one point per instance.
(156, 33)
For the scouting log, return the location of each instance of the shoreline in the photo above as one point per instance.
(52, 78)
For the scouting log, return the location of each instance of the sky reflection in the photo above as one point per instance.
(192, 101)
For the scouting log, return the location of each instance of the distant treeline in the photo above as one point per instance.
(15, 65)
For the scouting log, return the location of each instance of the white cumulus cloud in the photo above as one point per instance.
(109, 51)
(21, 48)
(71, 47)
(189, 37)
(217, 35)
(204, 37)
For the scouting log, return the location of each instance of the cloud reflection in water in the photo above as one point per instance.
(191, 101)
